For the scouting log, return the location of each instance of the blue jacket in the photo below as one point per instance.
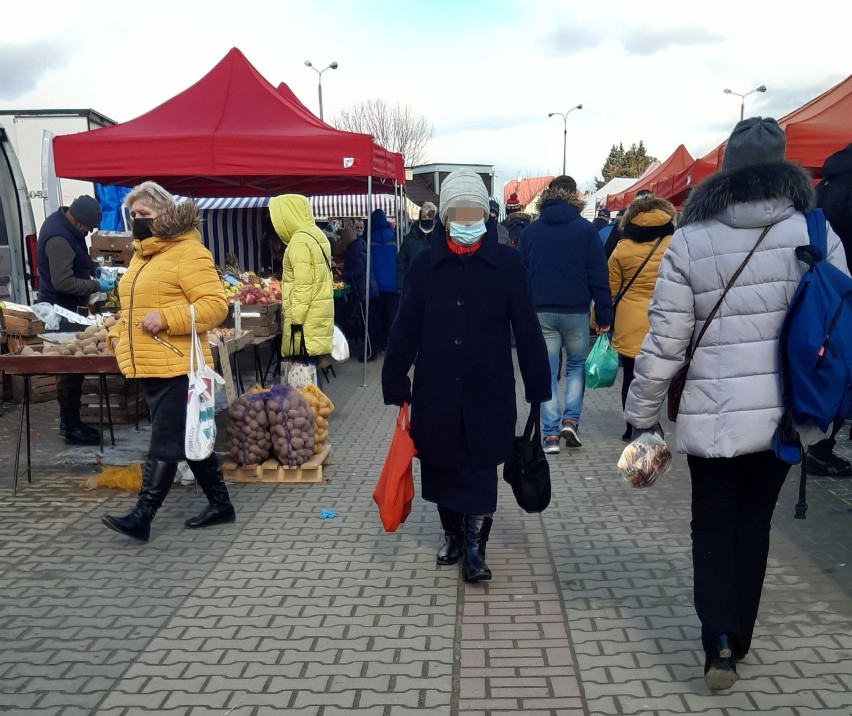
(383, 251)
(454, 318)
(566, 262)
(355, 270)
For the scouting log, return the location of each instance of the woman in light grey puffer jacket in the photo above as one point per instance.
(732, 401)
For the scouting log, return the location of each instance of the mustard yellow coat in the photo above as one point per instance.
(631, 313)
(307, 295)
(167, 275)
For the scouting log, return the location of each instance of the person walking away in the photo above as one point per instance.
(749, 215)
(355, 274)
(384, 263)
(307, 292)
(65, 273)
(647, 227)
(834, 197)
(416, 240)
(614, 235)
(516, 219)
(567, 269)
(170, 271)
(459, 300)
(502, 231)
(601, 220)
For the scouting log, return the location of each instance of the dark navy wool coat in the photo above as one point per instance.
(454, 325)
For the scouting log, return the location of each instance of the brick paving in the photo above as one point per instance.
(589, 612)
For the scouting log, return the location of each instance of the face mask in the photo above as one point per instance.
(467, 234)
(427, 225)
(142, 228)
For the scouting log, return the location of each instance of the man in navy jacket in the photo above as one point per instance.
(565, 259)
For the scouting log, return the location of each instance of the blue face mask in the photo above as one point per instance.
(467, 234)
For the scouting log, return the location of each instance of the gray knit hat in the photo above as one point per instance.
(87, 211)
(463, 186)
(756, 140)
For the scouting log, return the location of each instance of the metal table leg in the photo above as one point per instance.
(105, 393)
(25, 413)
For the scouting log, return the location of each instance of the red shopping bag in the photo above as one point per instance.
(395, 490)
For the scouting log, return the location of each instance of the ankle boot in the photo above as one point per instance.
(627, 435)
(157, 480)
(475, 569)
(452, 522)
(487, 521)
(219, 510)
(720, 667)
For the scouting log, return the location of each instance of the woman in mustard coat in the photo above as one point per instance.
(647, 227)
(170, 270)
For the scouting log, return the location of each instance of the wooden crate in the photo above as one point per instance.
(113, 258)
(42, 388)
(124, 405)
(266, 322)
(22, 325)
(111, 241)
(273, 471)
(15, 344)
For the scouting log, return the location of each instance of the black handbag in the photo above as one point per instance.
(527, 470)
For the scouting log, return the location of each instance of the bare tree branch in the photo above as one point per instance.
(396, 127)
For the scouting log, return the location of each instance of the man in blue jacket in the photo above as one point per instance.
(565, 260)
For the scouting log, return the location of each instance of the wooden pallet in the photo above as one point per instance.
(273, 471)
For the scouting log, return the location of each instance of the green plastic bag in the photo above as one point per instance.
(602, 364)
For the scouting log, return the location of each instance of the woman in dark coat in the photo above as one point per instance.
(460, 299)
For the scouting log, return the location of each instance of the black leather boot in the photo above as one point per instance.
(627, 435)
(453, 524)
(720, 668)
(487, 521)
(157, 480)
(219, 510)
(475, 569)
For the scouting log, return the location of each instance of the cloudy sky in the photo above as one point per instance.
(487, 73)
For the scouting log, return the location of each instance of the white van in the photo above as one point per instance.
(18, 276)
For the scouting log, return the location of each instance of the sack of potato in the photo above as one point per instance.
(249, 439)
(291, 423)
(321, 407)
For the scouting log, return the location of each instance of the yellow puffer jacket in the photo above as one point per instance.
(306, 291)
(646, 220)
(167, 275)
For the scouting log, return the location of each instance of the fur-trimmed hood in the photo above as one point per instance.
(562, 195)
(648, 204)
(773, 186)
(183, 218)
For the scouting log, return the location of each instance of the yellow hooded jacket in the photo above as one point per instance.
(631, 315)
(306, 286)
(167, 275)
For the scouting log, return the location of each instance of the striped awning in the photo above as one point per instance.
(322, 206)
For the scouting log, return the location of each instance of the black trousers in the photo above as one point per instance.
(166, 398)
(69, 390)
(627, 365)
(823, 448)
(732, 504)
(387, 306)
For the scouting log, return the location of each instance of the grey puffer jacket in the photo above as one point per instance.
(732, 400)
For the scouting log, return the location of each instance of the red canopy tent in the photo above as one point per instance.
(679, 159)
(232, 133)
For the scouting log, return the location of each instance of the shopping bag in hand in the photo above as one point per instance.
(602, 364)
(395, 490)
(298, 370)
(527, 470)
(200, 435)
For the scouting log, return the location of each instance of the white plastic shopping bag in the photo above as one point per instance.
(200, 401)
(339, 346)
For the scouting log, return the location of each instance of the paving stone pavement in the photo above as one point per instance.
(589, 611)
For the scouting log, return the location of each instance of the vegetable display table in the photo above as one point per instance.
(28, 366)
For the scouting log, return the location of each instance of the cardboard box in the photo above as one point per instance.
(111, 241)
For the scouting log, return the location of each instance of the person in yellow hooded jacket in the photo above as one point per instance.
(306, 286)
(647, 227)
(170, 270)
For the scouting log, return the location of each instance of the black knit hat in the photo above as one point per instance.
(756, 140)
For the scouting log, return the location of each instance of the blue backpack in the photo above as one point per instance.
(815, 349)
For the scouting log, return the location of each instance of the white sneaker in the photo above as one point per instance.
(551, 444)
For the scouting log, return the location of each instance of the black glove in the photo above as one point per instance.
(657, 429)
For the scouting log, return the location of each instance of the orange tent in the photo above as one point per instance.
(679, 160)
(526, 189)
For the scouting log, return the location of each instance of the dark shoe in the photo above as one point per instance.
(208, 475)
(453, 524)
(484, 534)
(627, 435)
(720, 668)
(157, 479)
(81, 435)
(828, 465)
(474, 568)
(571, 434)
(63, 428)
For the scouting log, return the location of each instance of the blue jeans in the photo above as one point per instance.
(571, 332)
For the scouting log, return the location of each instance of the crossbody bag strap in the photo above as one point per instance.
(621, 293)
(324, 258)
(725, 292)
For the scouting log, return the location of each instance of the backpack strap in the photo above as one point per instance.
(817, 232)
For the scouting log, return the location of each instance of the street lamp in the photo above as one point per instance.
(564, 116)
(332, 66)
(742, 97)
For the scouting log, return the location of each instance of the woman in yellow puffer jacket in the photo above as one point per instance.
(647, 227)
(170, 270)
(306, 285)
